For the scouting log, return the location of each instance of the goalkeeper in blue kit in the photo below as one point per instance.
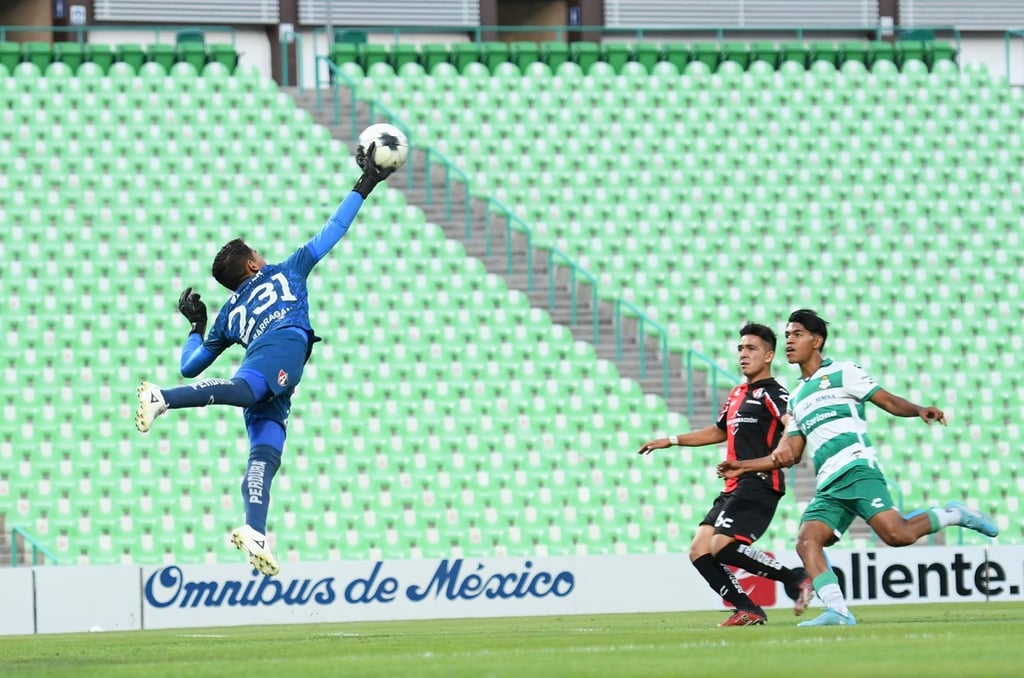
(268, 314)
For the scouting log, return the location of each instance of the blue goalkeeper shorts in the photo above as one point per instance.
(279, 358)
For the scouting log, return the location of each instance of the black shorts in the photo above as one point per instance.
(745, 513)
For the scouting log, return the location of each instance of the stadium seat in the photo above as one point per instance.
(131, 54)
(162, 54)
(70, 53)
(523, 53)
(10, 55)
(513, 419)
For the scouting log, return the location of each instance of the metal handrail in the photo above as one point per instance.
(642, 320)
(37, 548)
(574, 269)
(715, 370)
(338, 75)
(449, 168)
(560, 32)
(523, 227)
(1006, 45)
(81, 31)
(284, 40)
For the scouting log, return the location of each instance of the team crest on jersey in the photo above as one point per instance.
(758, 394)
(282, 378)
(825, 383)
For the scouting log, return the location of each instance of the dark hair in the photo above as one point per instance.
(812, 322)
(229, 264)
(758, 330)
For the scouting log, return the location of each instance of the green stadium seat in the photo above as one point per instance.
(907, 50)
(131, 54)
(646, 54)
(940, 51)
(401, 54)
(493, 54)
(191, 53)
(764, 51)
(586, 54)
(853, 51)
(370, 53)
(432, 54)
(523, 53)
(162, 54)
(708, 53)
(101, 55)
(823, 51)
(736, 52)
(38, 53)
(70, 53)
(345, 35)
(189, 37)
(344, 53)
(554, 54)
(796, 52)
(506, 449)
(616, 54)
(464, 53)
(10, 55)
(880, 51)
(676, 53)
(224, 54)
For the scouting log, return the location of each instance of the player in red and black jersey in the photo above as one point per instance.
(751, 424)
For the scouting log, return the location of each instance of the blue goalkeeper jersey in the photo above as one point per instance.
(273, 299)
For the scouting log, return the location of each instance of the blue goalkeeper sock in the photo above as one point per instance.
(264, 461)
(235, 392)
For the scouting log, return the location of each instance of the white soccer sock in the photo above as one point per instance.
(832, 596)
(941, 518)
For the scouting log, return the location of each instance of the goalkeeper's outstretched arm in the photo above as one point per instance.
(337, 226)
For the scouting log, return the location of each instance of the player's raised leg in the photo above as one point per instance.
(973, 520)
(154, 401)
(151, 406)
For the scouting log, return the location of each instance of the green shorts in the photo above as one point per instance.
(860, 491)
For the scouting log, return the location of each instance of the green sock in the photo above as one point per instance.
(826, 577)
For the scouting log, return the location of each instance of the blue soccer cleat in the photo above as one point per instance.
(974, 520)
(830, 618)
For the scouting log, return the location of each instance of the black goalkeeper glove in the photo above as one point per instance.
(372, 175)
(194, 310)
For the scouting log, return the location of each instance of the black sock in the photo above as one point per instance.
(755, 561)
(723, 582)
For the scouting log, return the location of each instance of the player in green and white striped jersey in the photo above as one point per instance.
(827, 418)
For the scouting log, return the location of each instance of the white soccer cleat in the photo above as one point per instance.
(151, 406)
(255, 546)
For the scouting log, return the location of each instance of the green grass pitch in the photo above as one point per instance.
(963, 639)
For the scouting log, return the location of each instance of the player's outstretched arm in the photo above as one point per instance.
(788, 453)
(705, 436)
(337, 226)
(195, 357)
(901, 407)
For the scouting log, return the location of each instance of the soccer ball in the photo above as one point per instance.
(392, 145)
